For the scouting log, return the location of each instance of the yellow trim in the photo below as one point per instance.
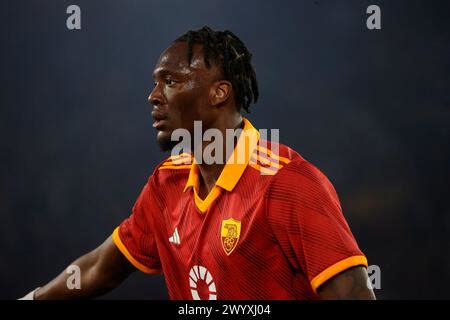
(272, 155)
(177, 162)
(118, 242)
(265, 170)
(257, 158)
(232, 171)
(175, 167)
(203, 205)
(180, 160)
(193, 181)
(336, 268)
(184, 154)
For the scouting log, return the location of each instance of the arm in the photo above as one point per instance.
(351, 284)
(312, 230)
(102, 270)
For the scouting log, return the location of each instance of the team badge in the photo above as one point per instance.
(230, 232)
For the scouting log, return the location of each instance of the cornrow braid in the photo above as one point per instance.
(226, 49)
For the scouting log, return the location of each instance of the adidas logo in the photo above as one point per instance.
(175, 238)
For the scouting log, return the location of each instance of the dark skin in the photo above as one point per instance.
(350, 284)
(183, 93)
(102, 270)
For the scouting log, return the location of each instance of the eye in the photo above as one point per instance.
(169, 82)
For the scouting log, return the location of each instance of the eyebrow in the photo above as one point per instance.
(161, 72)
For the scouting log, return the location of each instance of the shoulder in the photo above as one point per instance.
(299, 179)
(177, 162)
(302, 191)
(269, 158)
(283, 163)
(174, 169)
(302, 173)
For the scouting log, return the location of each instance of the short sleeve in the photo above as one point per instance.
(135, 238)
(304, 212)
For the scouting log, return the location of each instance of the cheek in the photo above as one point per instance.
(188, 103)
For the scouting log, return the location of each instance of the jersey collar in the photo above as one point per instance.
(233, 169)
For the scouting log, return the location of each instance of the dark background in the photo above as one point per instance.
(370, 108)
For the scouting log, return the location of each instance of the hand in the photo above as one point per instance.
(30, 296)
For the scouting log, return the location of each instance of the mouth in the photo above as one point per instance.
(159, 120)
(159, 124)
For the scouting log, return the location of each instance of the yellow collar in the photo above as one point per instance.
(235, 166)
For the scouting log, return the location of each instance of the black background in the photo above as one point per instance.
(369, 108)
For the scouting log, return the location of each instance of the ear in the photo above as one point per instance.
(220, 92)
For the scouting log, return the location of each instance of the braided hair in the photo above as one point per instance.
(230, 53)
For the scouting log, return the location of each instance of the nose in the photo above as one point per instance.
(156, 98)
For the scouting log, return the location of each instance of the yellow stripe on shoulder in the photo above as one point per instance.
(267, 171)
(178, 160)
(274, 157)
(265, 161)
(175, 167)
(181, 155)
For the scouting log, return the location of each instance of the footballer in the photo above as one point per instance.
(267, 227)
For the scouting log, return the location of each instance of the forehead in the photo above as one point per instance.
(175, 59)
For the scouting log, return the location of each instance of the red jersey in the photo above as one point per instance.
(271, 228)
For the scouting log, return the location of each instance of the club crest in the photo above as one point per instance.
(230, 232)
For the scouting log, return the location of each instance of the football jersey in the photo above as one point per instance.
(271, 228)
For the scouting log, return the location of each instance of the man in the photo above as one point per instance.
(268, 227)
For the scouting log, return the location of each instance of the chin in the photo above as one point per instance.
(164, 141)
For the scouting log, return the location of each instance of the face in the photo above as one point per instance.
(182, 92)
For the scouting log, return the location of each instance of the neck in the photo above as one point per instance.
(209, 173)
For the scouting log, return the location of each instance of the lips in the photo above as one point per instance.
(159, 119)
(159, 124)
